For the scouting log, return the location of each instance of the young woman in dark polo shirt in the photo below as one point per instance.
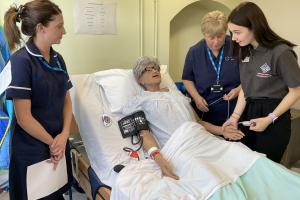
(270, 79)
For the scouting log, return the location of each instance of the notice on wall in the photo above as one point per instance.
(95, 17)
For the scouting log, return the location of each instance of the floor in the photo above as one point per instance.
(75, 196)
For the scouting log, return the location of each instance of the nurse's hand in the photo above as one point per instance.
(55, 159)
(201, 104)
(232, 133)
(260, 124)
(59, 143)
(165, 166)
(232, 94)
(232, 121)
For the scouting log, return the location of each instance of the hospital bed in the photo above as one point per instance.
(89, 105)
(93, 168)
(82, 170)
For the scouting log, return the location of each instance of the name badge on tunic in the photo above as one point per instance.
(216, 88)
(247, 59)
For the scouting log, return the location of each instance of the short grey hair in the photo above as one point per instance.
(142, 63)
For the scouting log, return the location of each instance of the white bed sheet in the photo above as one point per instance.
(203, 162)
(103, 144)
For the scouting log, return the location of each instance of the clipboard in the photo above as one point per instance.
(42, 180)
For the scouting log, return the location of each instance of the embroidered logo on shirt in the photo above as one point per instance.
(265, 71)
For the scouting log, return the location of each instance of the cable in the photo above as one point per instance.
(218, 101)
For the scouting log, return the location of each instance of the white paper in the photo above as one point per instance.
(43, 180)
(5, 77)
(95, 16)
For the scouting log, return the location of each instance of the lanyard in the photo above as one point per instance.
(217, 68)
(49, 67)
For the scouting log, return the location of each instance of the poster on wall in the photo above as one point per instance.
(95, 17)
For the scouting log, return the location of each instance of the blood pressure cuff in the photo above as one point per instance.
(132, 124)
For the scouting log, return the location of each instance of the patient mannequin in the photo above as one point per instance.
(147, 74)
(189, 161)
(179, 142)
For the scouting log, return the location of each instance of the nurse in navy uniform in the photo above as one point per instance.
(210, 75)
(40, 91)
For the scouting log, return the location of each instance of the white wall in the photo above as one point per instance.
(90, 53)
(185, 31)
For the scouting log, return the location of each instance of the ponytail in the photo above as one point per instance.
(11, 30)
(29, 15)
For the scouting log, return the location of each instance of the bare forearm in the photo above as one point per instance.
(35, 129)
(216, 130)
(27, 122)
(191, 88)
(148, 140)
(239, 88)
(292, 96)
(241, 103)
(67, 114)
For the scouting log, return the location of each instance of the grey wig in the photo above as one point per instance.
(142, 63)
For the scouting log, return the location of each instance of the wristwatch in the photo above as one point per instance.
(273, 117)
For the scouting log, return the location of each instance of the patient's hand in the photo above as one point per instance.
(165, 166)
(232, 133)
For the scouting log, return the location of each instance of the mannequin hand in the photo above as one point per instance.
(260, 124)
(58, 144)
(232, 94)
(201, 104)
(232, 133)
(165, 167)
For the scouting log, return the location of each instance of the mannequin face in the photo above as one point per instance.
(151, 77)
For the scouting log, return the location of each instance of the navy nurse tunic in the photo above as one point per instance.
(45, 84)
(198, 68)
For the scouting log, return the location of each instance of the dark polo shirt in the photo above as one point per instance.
(269, 72)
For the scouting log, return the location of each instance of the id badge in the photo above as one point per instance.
(216, 88)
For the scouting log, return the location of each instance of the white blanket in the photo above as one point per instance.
(203, 162)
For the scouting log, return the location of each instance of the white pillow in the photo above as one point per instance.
(119, 85)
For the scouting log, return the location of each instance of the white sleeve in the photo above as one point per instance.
(133, 104)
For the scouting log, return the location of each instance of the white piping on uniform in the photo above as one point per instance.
(38, 55)
(18, 88)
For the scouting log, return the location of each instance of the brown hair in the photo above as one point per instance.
(29, 15)
(249, 15)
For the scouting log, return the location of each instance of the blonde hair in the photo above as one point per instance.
(214, 23)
